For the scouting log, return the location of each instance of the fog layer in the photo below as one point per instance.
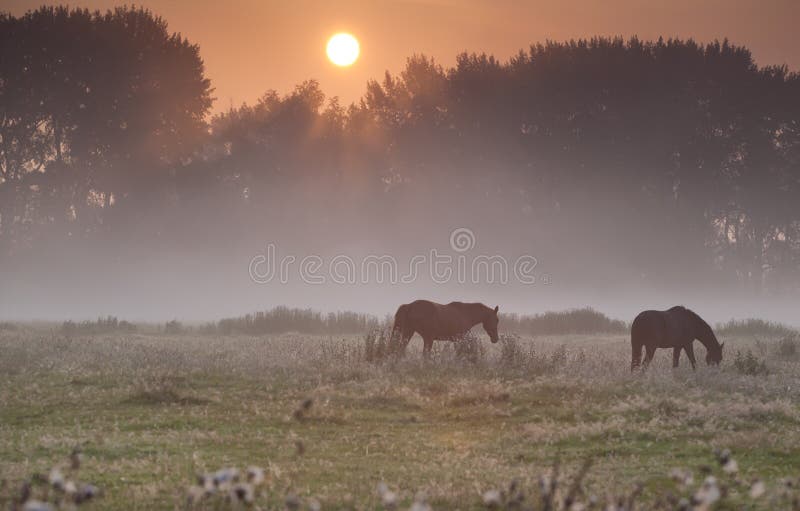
(624, 175)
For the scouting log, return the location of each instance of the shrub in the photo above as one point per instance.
(379, 344)
(8, 326)
(558, 358)
(285, 319)
(752, 326)
(574, 321)
(749, 364)
(787, 347)
(511, 352)
(173, 327)
(469, 348)
(109, 324)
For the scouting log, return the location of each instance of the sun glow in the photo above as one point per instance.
(343, 49)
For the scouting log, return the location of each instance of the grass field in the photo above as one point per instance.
(150, 412)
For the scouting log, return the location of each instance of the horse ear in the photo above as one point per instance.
(496, 309)
(721, 345)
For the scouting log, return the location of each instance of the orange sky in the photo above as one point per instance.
(251, 46)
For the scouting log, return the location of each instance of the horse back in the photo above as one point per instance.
(662, 329)
(431, 319)
(648, 326)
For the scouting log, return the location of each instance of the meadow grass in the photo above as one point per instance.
(151, 412)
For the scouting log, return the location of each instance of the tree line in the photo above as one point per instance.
(669, 157)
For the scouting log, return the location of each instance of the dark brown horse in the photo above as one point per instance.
(434, 321)
(676, 328)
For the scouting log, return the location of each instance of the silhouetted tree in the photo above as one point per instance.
(662, 158)
(96, 106)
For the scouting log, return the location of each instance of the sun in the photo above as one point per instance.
(343, 49)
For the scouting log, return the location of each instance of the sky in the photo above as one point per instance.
(252, 46)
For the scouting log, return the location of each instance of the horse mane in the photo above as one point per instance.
(704, 332)
(471, 305)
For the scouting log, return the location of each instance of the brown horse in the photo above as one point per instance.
(434, 321)
(676, 328)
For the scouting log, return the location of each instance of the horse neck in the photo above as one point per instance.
(703, 333)
(474, 313)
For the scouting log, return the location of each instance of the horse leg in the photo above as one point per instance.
(648, 355)
(636, 355)
(404, 340)
(676, 356)
(690, 353)
(427, 346)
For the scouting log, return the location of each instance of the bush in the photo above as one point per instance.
(379, 344)
(787, 347)
(7, 326)
(752, 327)
(285, 319)
(469, 348)
(511, 354)
(173, 327)
(109, 324)
(574, 321)
(749, 364)
(558, 358)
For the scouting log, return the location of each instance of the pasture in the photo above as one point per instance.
(150, 411)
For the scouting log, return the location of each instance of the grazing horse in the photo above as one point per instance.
(676, 328)
(434, 321)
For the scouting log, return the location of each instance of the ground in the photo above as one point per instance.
(151, 411)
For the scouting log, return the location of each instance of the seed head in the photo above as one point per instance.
(492, 499)
(56, 479)
(758, 489)
(292, 502)
(195, 494)
(730, 466)
(75, 458)
(708, 493)
(243, 492)
(86, 492)
(36, 505)
(389, 499)
(226, 476)
(255, 475)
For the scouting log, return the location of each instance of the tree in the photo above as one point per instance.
(96, 106)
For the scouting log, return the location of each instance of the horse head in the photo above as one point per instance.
(714, 354)
(705, 334)
(490, 324)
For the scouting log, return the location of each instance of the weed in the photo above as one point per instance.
(749, 364)
(787, 346)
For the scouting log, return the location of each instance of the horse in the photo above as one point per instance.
(443, 322)
(675, 328)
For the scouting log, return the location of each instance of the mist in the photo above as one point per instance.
(623, 174)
